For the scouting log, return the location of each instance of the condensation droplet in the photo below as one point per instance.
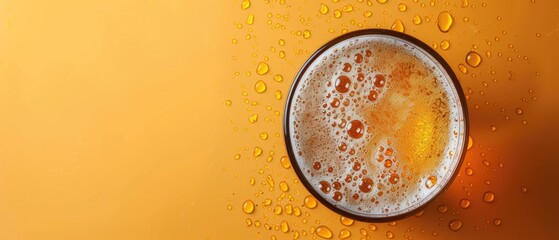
(473, 59)
(445, 44)
(245, 4)
(310, 202)
(444, 21)
(469, 171)
(367, 14)
(344, 233)
(278, 78)
(283, 186)
(462, 68)
(488, 197)
(285, 163)
(278, 95)
(416, 19)
(389, 235)
(402, 7)
(465, 203)
(323, 9)
(398, 25)
(337, 13)
(306, 34)
(278, 210)
(470, 142)
(524, 189)
(262, 68)
(250, 19)
(497, 222)
(442, 208)
(248, 206)
(346, 221)
(455, 225)
(373, 227)
(260, 86)
(257, 151)
(382, 1)
(519, 111)
(493, 128)
(323, 232)
(253, 118)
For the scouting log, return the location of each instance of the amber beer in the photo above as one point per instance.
(376, 125)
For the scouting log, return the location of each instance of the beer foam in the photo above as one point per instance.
(412, 132)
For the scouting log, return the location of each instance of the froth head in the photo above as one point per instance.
(375, 125)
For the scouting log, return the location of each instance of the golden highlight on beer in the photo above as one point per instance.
(376, 126)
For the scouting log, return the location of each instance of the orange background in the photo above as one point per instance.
(113, 122)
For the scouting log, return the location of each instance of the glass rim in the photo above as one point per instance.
(453, 83)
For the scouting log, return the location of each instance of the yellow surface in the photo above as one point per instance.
(113, 122)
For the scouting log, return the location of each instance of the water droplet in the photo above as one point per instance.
(470, 142)
(250, 19)
(264, 136)
(398, 25)
(289, 209)
(355, 129)
(245, 4)
(473, 59)
(267, 202)
(382, 1)
(469, 171)
(323, 9)
(444, 21)
(442, 208)
(462, 68)
(237, 156)
(277, 210)
(249, 222)
(323, 232)
(248, 206)
(337, 196)
(262, 68)
(346, 221)
(229, 207)
(278, 95)
(493, 128)
(344, 233)
(257, 152)
(455, 225)
(306, 34)
(367, 14)
(285, 163)
(252, 181)
(284, 226)
(402, 7)
(278, 78)
(296, 211)
(283, 186)
(488, 197)
(465, 203)
(373, 227)
(497, 222)
(524, 189)
(228, 102)
(389, 235)
(337, 13)
(431, 181)
(416, 19)
(347, 8)
(519, 111)
(260, 86)
(445, 44)
(253, 118)
(310, 202)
